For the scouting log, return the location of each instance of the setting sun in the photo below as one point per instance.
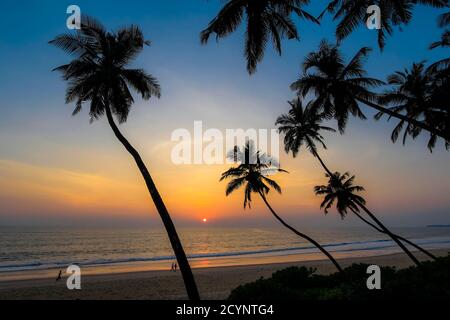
(204, 219)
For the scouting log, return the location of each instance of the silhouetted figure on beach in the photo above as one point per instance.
(59, 276)
(175, 267)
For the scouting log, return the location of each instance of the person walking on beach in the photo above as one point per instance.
(175, 267)
(59, 276)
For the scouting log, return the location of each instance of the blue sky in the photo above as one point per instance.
(198, 82)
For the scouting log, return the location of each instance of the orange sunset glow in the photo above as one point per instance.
(235, 150)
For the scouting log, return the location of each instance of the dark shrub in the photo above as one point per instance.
(429, 281)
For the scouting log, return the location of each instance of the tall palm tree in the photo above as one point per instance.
(341, 189)
(250, 175)
(393, 13)
(266, 20)
(99, 75)
(301, 126)
(340, 87)
(413, 93)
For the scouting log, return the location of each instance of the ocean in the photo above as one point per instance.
(35, 251)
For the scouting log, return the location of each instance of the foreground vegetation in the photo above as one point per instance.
(429, 281)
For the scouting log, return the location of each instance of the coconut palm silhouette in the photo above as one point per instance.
(301, 126)
(340, 87)
(341, 189)
(250, 175)
(266, 19)
(444, 42)
(414, 92)
(99, 76)
(352, 14)
(441, 67)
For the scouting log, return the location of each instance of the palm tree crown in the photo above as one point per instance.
(442, 66)
(251, 175)
(266, 19)
(415, 93)
(393, 13)
(336, 85)
(301, 126)
(98, 74)
(444, 42)
(340, 189)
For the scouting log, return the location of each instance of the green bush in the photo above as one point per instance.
(429, 281)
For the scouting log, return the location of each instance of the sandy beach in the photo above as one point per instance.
(213, 282)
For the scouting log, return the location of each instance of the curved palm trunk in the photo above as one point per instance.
(304, 236)
(419, 124)
(371, 224)
(397, 236)
(185, 268)
(321, 162)
(389, 233)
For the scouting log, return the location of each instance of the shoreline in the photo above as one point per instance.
(213, 282)
(345, 250)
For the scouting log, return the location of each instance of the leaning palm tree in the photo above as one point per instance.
(266, 19)
(341, 189)
(301, 127)
(99, 75)
(414, 93)
(393, 13)
(340, 87)
(252, 176)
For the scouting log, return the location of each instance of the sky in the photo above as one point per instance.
(56, 169)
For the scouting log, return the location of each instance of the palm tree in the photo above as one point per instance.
(266, 20)
(251, 176)
(340, 87)
(443, 22)
(99, 75)
(301, 126)
(440, 74)
(414, 92)
(444, 19)
(393, 13)
(444, 42)
(341, 189)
